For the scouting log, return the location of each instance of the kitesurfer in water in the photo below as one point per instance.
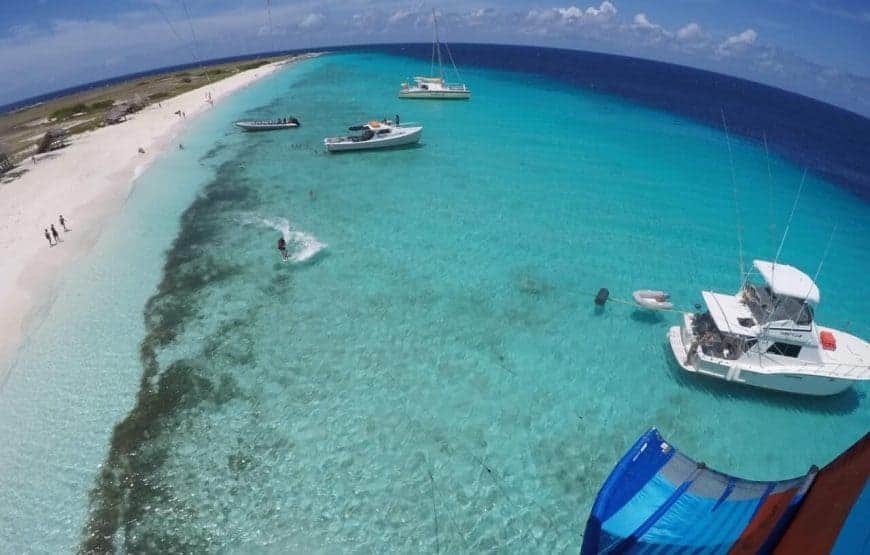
(282, 248)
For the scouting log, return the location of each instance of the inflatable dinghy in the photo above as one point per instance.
(653, 300)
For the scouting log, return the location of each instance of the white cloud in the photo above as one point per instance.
(400, 16)
(559, 21)
(604, 12)
(641, 22)
(690, 32)
(647, 31)
(480, 17)
(312, 21)
(736, 44)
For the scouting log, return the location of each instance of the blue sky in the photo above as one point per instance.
(820, 48)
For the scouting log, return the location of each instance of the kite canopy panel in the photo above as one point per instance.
(659, 500)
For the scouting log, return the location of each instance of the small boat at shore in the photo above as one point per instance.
(284, 123)
(375, 135)
(653, 300)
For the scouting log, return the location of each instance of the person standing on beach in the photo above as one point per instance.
(47, 236)
(62, 221)
(55, 234)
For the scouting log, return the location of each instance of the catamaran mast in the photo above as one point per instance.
(437, 45)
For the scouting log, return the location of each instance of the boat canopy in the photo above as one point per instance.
(729, 314)
(657, 500)
(788, 281)
(429, 79)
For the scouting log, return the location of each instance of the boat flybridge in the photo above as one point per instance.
(436, 88)
(765, 336)
(375, 134)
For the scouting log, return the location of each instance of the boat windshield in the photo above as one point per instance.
(768, 307)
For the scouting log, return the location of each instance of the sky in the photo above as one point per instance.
(820, 48)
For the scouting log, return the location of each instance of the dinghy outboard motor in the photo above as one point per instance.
(602, 296)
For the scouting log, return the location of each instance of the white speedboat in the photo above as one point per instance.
(766, 336)
(436, 87)
(286, 123)
(375, 134)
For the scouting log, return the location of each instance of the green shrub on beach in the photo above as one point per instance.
(81, 107)
(63, 113)
(253, 65)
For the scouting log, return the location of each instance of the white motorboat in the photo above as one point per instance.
(375, 134)
(766, 336)
(436, 88)
(286, 123)
(653, 300)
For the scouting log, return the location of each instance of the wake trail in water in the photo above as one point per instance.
(304, 246)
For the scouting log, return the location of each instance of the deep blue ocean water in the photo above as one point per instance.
(428, 373)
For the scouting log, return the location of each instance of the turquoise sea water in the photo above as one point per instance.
(429, 372)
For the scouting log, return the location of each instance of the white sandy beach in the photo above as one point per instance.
(87, 182)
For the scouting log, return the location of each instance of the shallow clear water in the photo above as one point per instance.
(428, 373)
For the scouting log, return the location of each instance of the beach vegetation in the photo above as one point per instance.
(80, 108)
(253, 65)
(67, 111)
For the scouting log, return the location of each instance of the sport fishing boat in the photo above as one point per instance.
(375, 134)
(766, 336)
(435, 87)
(284, 123)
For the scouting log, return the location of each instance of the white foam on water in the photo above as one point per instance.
(304, 246)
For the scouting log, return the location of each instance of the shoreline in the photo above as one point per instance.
(88, 182)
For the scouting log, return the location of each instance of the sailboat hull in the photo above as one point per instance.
(434, 95)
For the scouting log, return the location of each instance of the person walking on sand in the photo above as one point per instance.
(55, 234)
(62, 221)
(282, 248)
(47, 236)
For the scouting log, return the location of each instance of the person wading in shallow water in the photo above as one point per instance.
(55, 234)
(282, 248)
(47, 236)
(62, 221)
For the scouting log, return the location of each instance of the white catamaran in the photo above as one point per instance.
(766, 336)
(435, 87)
